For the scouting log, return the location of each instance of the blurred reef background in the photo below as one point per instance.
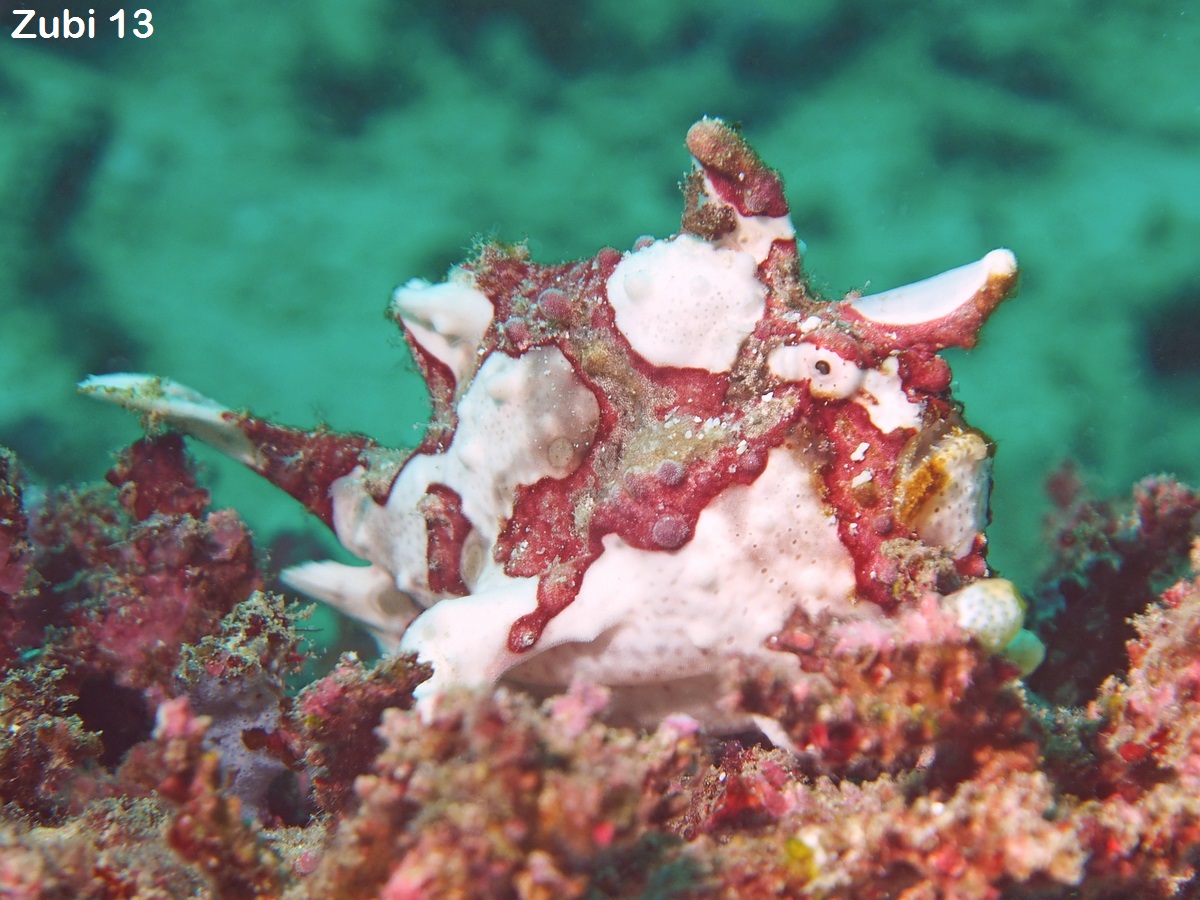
(230, 201)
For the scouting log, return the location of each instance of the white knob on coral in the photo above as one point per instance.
(990, 610)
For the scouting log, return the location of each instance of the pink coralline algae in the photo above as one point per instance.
(625, 448)
(15, 560)
(152, 744)
(1109, 562)
(158, 571)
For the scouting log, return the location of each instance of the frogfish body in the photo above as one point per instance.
(640, 464)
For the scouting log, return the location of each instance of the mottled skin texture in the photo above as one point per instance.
(630, 449)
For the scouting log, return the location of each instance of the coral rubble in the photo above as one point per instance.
(910, 761)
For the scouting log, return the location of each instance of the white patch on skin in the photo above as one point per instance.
(366, 593)
(674, 615)
(465, 639)
(864, 477)
(755, 234)
(687, 303)
(806, 362)
(448, 320)
(954, 515)
(933, 298)
(809, 324)
(652, 617)
(885, 401)
(752, 234)
(515, 418)
(177, 405)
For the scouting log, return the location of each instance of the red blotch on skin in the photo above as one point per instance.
(740, 178)
(305, 464)
(447, 529)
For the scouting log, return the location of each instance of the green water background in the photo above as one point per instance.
(230, 201)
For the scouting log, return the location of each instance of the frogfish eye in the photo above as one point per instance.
(829, 376)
